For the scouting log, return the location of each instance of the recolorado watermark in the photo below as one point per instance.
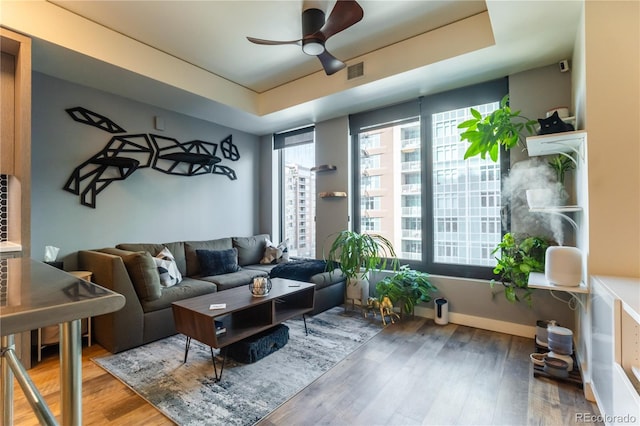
(608, 419)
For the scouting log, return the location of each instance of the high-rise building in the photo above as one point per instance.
(465, 194)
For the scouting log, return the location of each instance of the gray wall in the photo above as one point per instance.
(149, 206)
(332, 214)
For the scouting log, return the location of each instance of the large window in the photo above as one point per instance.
(298, 205)
(441, 212)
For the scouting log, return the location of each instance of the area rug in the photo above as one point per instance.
(188, 394)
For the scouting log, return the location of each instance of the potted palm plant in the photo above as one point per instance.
(501, 127)
(406, 288)
(358, 254)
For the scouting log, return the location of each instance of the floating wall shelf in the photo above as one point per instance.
(333, 194)
(324, 168)
(538, 280)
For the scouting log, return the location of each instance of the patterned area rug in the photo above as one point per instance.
(188, 394)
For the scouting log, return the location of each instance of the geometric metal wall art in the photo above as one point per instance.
(124, 154)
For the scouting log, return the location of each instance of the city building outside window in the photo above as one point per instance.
(298, 198)
(442, 212)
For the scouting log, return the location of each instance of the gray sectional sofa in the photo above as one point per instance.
(130, 270)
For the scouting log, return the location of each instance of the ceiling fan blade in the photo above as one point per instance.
(344, 14)
(272, 42)
(330, 63)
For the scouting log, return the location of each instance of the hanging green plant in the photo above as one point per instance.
(519, 256)
(486, 134)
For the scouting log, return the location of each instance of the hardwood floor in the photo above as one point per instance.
(416, 372)
(105, 399)
(413, 372)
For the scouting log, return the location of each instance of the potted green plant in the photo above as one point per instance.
(406, 288)
(519, 256)
(561, 164)
(501, 127)
(358, 254)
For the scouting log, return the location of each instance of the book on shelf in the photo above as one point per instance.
(220, 328)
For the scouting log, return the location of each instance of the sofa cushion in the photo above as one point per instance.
(144, 275)
(326, 279)
(216, 262)
(190, 247)
(176, 249)
(189, 287)
(250, 249)
(260, 267)
(167, 268)
(234, 279)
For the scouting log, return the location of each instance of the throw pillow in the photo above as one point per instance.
(167, 268)
(217, 262)
(284, 257)
(144, 275)
(271, 253)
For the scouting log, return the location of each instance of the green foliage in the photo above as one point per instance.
(406, 287)
(561, 164)
(519, 255)
(486, 134)
(357, 254)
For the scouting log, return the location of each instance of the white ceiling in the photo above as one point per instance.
(211, 35)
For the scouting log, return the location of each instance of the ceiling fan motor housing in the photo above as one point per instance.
(312, 21)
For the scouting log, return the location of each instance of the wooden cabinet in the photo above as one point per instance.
(15, 134)
(615, 325)
(7, 95)
(15, 162)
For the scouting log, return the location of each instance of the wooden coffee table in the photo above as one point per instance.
(243, 315)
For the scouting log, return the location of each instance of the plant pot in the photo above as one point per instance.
(547, 197)
(357, 289)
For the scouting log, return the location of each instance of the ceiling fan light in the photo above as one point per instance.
(313, 48)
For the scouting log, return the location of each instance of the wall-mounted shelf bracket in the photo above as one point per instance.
(557, 143)
(539, 281)
(560, 211)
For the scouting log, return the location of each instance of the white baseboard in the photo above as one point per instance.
(483, 323)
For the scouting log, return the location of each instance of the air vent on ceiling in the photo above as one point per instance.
(355, 71)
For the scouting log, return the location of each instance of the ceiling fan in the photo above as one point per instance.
(316, 31)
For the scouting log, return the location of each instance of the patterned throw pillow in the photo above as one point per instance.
(275, 254)
(167, 268)
(271, 253)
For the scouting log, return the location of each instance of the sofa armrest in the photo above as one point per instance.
(120, 330)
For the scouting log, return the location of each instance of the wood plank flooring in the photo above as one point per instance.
(413, 372)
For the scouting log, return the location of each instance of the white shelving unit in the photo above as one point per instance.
(565, 143)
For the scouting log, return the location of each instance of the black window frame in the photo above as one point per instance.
(423, 108)
(282, 140)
